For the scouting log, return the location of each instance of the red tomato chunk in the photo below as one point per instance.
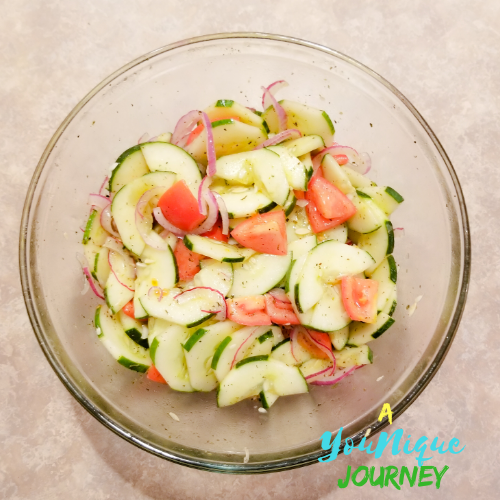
(359, 297)
(188, 262)
(248, 310)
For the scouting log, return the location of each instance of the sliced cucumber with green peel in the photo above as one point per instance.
(267, 399)
(309, 120)
(354, 356)
(101, 268)
(118, 343)
(307, 161)
(339, 338)
(361, 333)
(216, 275)
(358, 181)
(166, 157)
(94, 232)
(263, 345)
(244, 202)
(334, 173)
(251, 378)
(167, 355)
(368, 217)
(120, 284)
(130, 166)
(133, 329)
(338, 233)
(391, 303)
(157, 268)
(124, 206)
(290, 203)
(230, 138)
(329, 313)
(199, 352)
(386, 271)
(385, 293)
(304, 145)
(283, 352)
(326, 263)
(301, 246)
(314, 365)
(378, 244)
(220, 109)
(259, 274)
(385, 197)
(223, 252)
(295, 171)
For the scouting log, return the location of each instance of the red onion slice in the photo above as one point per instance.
(98, 200)
(317, 374)
(160, 218)
(202, 190)
(160, 295)
(224, 214)
(279, 295)
(104, 182)
(144, 221)
(144, 138)
(366, 159)
(273, 89)
(335, 378)
(291, 133)
(111, 266)
(268, 97)
(220, 314)
(325, 348)
(399, 232)
(355, 160)
(106, 223)
(213, 212)
(85, 268)
(252, 334)
(294, 346)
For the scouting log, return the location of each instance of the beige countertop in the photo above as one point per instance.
(444, 56)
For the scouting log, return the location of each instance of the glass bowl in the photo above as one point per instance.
(149, 95)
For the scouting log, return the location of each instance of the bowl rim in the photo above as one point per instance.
(202, 464)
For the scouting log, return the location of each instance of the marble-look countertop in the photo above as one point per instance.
(444, 56)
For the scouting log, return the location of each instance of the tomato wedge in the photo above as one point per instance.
(359, 297)
(316, 220)
(154, 375)
(264, 233)
(180, 207)
(300, 195)
(280, 310)
(216, 232)
(341, 159)
(188, 263)
(248, 310)
(128, 309)
(330, 201)
(305, 342)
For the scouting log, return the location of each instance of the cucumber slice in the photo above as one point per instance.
(119, 345)
(236, 168)
(124, 206)
(338, 233)
(295, 171)
(167, 354)
(230, 138)
(334, 173)
(165, 137)
(236, 349)
(133, 329)
(325, 264)
(354, 356)
(201, 351)
(368, 217)
(289, 203)
(166, 157)
(309, 120)
(384, 294)
(307, 161)
(188, 308)
(391, 303)
(385, 197)
(94, 232)
(329, 313)
(157, 268)
(216, 275)
(387, 270)
(223, 252)
(359, 181)
(101, 268)
(119, 287)
(244, 202)
(223, 107)
(263, 345)
(130, 166)
(378, 244)
(361, 333)
(259, 274)
(339, 338)
(267, 399)
(314, 365)
(304, 145)
(251, 378)
(283, 352)
(301, 246)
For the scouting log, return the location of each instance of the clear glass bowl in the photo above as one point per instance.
(149, 95)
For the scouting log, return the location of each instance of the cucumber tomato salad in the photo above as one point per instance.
(246, 253)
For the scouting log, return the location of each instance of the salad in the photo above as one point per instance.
(246, 252)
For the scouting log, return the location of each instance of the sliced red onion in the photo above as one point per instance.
(184, 127)
(279, 295)
(144, 138)
(113, 271)
(150, 237)
(202, 192)
(291, 133)
(268, 97)
(224, 214)
(355, 161)
(160, 218)
(317, 374)
(399, 232)
(85, 268)
(366, 159)
(99, 201)
(153, 139)
(326, 349)
(213, 212)
(106, 223)
(252, 334)
(116, 245)
(220, 314)
(160, 295)
(104, 182)
(273, 89)
(253, 110)
(335, 378)
(294, 333)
